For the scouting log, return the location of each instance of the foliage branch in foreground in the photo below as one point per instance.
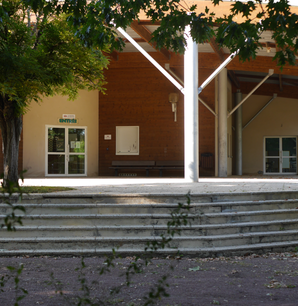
(240, 29)
(40, 55)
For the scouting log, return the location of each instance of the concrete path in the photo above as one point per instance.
(169, 185)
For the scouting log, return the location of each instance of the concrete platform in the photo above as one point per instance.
(231, 216)
(169, 185)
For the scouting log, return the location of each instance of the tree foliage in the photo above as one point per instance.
(40, 55)
(96, 22)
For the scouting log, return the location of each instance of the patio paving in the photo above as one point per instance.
(169, 185)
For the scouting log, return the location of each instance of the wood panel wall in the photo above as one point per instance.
(137, 95)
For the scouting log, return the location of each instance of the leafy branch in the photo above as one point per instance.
(20, 293)
(8, 189)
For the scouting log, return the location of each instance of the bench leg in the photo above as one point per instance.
(147, 172)
(116, 172)
(160, 172)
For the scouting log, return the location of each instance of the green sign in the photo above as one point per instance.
(68, 120)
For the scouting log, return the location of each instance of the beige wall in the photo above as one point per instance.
(278, 119)
(85, 107)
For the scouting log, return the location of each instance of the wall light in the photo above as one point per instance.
(173, 99)
(268, 47)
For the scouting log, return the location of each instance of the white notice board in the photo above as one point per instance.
(127, 140)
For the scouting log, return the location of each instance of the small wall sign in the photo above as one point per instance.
(67, 120)
(108, 137)
(68, 116)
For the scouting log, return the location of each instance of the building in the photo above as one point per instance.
(135, 121)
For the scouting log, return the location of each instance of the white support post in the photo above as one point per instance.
(191, 110)
(216, 127)
(222, 124)
(238, 124)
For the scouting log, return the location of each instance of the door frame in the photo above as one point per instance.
(66, 150)
(280, 156)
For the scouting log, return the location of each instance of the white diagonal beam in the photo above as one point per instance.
(151, 60)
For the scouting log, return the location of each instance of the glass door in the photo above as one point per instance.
(280, 155)
(66, 151)
(76, 151)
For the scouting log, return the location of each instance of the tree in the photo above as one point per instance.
(99, 19)
(39, 56)
(93, 24)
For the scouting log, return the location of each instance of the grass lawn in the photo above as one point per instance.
(41, 189)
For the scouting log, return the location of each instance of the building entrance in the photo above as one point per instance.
(66, 151)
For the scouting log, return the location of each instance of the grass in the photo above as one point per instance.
(41, 189)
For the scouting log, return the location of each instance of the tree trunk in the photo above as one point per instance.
(11, 128)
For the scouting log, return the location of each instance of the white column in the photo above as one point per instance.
(238, 124)
(222, 124)
(191, 110)
(216, 127)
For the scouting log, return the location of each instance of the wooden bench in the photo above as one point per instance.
(133, 165)
(169, 165)
(206, 160)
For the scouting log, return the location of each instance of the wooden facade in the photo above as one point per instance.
(138, 95)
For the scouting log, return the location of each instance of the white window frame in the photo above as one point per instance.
(280, 156)
(66, 150)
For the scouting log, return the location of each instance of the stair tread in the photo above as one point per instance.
(195, 251)
(163, 215)
(157, 205)
(149, 238)
(201, 226)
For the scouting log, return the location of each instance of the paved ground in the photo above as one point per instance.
(170, 185)
(267, 280)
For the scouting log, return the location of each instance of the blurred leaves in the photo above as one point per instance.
(94, 25)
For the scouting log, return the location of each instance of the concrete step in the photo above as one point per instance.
(96, 220)
(101, 209)
(148, 230)
(156, 218)
(97, 223)
(179, 242)
(260, 248)
(248, 216)
(153, 198)
(162, 208)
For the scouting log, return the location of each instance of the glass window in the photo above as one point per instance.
(56, 140)
(289, 165)
(272, 165)
(289, 146)
(272, 146)
(76, 164)
(56, 164)
(280, 155)
(76, 140)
